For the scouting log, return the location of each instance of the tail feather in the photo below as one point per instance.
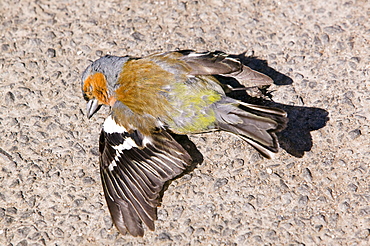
(264, 150)
(255, 124)
(264, 109)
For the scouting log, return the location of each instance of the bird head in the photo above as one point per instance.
(99, 82)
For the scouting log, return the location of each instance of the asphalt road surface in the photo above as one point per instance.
(315, 192)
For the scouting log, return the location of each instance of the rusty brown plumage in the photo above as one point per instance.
(141, 85)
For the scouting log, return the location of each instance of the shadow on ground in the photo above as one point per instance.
(296, 137)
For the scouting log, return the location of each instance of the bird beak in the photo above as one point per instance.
(92, 107)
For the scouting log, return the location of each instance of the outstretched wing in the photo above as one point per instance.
(220, 63)
(134, 169)
(209, 63)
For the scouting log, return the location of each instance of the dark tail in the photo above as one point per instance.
(255, 124)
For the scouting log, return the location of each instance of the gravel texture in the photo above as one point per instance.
(315, 192)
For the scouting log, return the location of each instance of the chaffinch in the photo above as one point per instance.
(156, 96)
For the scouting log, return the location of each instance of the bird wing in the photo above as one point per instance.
(220, 63)
(134, 169)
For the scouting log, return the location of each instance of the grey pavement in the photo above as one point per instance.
(315, 192)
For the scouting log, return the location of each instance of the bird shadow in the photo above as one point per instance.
(296, 138)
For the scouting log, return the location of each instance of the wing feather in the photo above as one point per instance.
(220, 63)
(133, 174)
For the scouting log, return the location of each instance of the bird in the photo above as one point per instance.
(152, 99)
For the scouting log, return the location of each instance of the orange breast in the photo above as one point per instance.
(142, 84)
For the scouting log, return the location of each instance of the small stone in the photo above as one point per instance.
(283, 185)
(249, 207)
(88, 180)
(258, 238)
(325, 38)
(299, 222)
(138, 36)
(199, 231)
(299, 76)
(355, 59)
(95, 151)
(80, 173)
(163, 237)
(363, 234)
(303, 200)
(329, 192)
(317, 41)
(318, 227)
(162, 214)
(200, 40)
(352, 187)
(51, 35)
(270, 233)
(24, 231)
(9, 98)
(333, 219)
(51, 53)
(354, 133)
(238, 162)
(189, 230)
(22, 243)
(333, 29)
(219, 183)
(5, 47)
(312, 84)
(58, 232)
(269, 170)
(78, 202)
(306, 173)
(11, 210)
(108, 222)
(344, 206)
(177, 212)
(99, 53)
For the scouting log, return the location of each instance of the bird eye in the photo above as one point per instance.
(86, 97)
(87, 93)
